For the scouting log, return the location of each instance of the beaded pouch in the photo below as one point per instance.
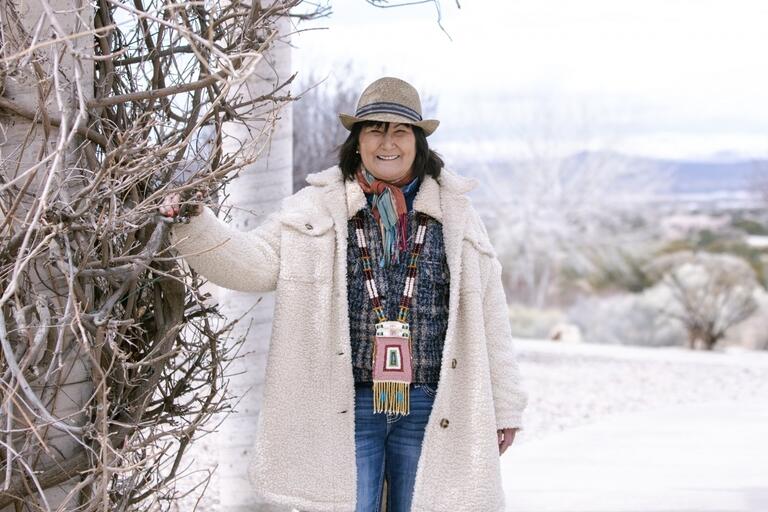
(392, 367)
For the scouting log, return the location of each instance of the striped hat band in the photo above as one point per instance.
(385, 107)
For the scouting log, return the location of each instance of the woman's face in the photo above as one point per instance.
(388, 154)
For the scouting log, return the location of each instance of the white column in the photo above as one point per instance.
(255, 193)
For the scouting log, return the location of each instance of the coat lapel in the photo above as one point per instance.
(455, 206)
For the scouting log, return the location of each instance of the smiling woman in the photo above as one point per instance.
(391, 357)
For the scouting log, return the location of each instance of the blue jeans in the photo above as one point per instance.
(389, 445)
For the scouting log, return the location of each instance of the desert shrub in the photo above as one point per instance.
(709, 293)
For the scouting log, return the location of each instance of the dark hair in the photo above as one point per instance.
(427, 162)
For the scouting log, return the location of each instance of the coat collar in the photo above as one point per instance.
(432, 193)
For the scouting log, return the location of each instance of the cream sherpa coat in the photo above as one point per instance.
(305, 442)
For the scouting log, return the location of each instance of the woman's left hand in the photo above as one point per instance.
(506, 436)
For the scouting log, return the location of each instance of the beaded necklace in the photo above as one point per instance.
(392, 350)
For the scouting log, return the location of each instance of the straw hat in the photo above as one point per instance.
(390, 100)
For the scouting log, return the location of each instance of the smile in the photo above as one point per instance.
(388, 157)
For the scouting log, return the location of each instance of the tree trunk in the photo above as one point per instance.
(710, 340)
(693, 336)
(23, 145)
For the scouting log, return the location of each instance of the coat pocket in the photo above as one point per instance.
(306, 248)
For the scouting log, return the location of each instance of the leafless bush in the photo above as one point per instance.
(708, 294)
(111, 366)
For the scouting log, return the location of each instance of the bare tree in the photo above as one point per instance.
(560, 201)
(317, 132)
(551, 212)
(709, 294)
(111, 367)
(385, 4)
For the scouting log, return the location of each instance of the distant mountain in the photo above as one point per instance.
(696, 177)
(685, 176)
(702, 177)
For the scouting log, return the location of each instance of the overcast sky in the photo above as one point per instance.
(667, 78)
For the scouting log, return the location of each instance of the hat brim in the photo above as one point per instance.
(428, 125)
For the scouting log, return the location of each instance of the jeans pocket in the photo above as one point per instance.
(429, 390)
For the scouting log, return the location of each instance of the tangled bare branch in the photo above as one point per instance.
(113, 357)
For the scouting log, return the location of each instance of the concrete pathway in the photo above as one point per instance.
(696, 458)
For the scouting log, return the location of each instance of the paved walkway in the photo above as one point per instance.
(696, 458)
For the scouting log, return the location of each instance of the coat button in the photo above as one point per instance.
(444, 423)
(308, 226)
(453, 363)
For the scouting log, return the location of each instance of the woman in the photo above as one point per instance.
(391, 352)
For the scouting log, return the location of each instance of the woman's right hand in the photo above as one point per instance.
(172, 204)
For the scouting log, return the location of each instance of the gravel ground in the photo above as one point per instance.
(572, 385)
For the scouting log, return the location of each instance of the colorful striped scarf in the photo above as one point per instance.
(390, 210)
